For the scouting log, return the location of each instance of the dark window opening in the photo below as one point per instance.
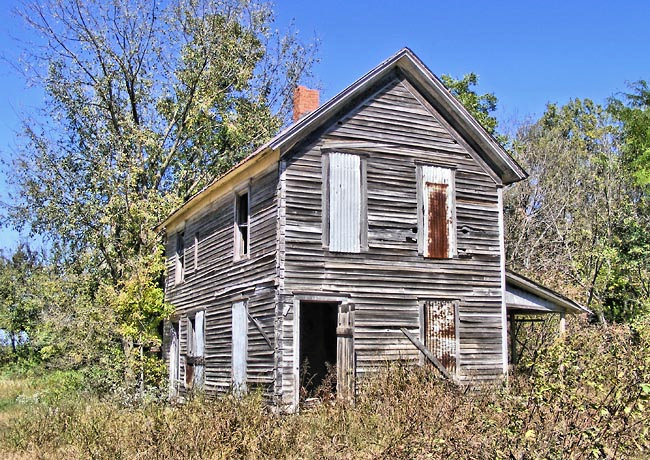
(242, 224)
(318, 348)
(180, 257)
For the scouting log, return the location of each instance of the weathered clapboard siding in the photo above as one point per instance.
(394, 131)
(218, 281)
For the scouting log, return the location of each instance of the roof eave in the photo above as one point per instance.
(236, 173)
(529, 285)
(508, 169)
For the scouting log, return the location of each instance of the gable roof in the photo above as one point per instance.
(406, 62)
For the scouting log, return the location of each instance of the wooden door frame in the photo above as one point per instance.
(297, 300)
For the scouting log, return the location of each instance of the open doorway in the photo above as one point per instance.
(318, 345)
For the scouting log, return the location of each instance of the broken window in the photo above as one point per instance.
(195, 355)
(242, 220)
(180, 258)
(440, 331)
(438, 238)
(344, 209)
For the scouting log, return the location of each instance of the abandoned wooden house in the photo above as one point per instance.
(369, 230)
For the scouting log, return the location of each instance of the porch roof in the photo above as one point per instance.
(524, 295)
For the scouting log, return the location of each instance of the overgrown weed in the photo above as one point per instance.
(585, 396)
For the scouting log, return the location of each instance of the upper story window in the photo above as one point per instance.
(437, 212)
(242, 225)
(179, 271)
(344, 203)
(196, 251)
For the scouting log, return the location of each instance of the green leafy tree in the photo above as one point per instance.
(19, 301)
(481, 106)
(146, 102)
(633, 113)
(631, 291)
(574, 222)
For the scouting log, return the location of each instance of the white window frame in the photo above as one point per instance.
(429, 174)
(179, 267)
(238, 252)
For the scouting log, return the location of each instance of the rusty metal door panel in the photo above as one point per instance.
(440, 332)
(438, 238)
(345, 203)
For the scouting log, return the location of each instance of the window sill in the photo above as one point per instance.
(241, 259)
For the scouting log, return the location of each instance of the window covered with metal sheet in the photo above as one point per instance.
(439, 233)
(440, 331)
(345, 196)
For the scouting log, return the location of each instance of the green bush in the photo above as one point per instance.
(584, 396)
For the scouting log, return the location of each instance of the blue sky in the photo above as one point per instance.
(527, 53)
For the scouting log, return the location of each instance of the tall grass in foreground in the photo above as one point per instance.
(585, 398)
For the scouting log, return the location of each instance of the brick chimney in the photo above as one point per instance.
(305, 101)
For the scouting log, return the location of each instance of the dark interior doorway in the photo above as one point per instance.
(318, 322)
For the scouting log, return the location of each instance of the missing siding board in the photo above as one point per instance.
(440, 334)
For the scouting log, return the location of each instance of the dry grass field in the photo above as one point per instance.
(586, 397)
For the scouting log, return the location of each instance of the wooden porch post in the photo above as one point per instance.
(513, 340)
(562, 323)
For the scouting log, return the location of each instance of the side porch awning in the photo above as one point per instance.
(525, 300)
(524, 296)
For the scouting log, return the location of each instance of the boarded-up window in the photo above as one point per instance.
(439, 327)
(345, 202)
(239, 346)
(179, 268)
(438, 216)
